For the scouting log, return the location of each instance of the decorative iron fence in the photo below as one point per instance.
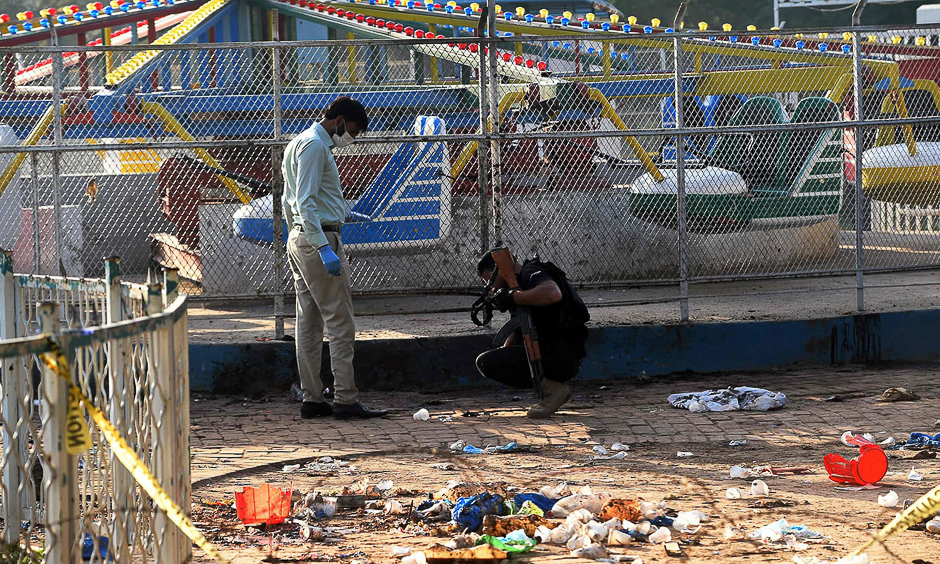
(126, 349)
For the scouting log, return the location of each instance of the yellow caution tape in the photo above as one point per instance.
(77, 437)
(922, 509)
(57, 362)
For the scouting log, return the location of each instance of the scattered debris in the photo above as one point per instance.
(290, 468)
(673, 550)
(623, 509)
(470, 449)
(264, 504)
(740, 442)
(869, 467)
(682, 454)
(890, 499)
(618, 456)
(771, 503)
(729, 399)
(918, 441)
(933, 526)
(898, 394)
(914, 476)
(759, 488)
(421, 415)
(619, 447)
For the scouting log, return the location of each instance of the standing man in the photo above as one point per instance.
(559, 316)
(315, 207)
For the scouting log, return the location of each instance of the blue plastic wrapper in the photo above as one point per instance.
(918, 441)
(88, 548)
(470, 449)
(468, 512)
(662, 521)
(539, 500)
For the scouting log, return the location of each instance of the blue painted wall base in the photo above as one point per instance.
(615, 352)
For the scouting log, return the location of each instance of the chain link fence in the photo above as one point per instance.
(570, 146)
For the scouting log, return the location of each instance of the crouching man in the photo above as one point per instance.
(559, 316)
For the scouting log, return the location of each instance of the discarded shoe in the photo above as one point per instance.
(898, 394)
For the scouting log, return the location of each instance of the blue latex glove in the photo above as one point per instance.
(356, 217)
(330, 260)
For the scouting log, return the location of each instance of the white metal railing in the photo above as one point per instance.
(135, 371)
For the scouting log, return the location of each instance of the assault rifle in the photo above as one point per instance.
(530, 337)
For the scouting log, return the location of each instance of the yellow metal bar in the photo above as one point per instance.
(178, 32)
(39, 130)
(906, 129)
(351, 59)
(174, 127)
(608, 112)
(800, 79)
(698, 63)
(435, 71)
(605, 58)
(108, 55)
(519, 52)
(840, 88)
(470, 148)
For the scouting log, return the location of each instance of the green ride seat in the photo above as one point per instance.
(753, 156)
(800, 146)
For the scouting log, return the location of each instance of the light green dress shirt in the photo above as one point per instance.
(312, 194)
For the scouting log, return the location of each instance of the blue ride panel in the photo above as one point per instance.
(409, 202)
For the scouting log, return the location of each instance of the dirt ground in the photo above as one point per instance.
(410, 454)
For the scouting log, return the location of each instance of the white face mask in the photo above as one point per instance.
(343, 141)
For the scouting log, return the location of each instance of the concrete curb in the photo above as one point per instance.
(614, 352)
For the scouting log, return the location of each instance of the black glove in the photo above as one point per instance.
(503, 300)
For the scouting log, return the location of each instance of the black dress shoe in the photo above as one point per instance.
(356, 411)
(314, 409)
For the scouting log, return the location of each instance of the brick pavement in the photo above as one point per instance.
(231, 434)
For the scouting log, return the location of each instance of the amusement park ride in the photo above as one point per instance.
(734, 181)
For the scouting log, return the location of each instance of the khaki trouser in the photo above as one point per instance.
(322, 299)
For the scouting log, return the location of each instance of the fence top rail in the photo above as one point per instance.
(41, 282)
(75, 338)
(25, 346)
(82, 337)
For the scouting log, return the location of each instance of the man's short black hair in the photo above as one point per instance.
(350, 109)
(486, 262)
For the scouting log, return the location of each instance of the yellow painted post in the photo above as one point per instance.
(351, 59)
(108, 60)
(698, 63)
(519, 49)
(639, 152)
(906, 128)
(435, 70)
(605, 56)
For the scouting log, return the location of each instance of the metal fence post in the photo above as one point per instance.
(123, 495)
(483, 153)
(494, 120)
(57, 142)
(680, 170)
(171, 286)
(37, 252)
(154, 298)
(277, 212)
(12, 374)
(859, 150)
(180, 332)
(59, 476)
